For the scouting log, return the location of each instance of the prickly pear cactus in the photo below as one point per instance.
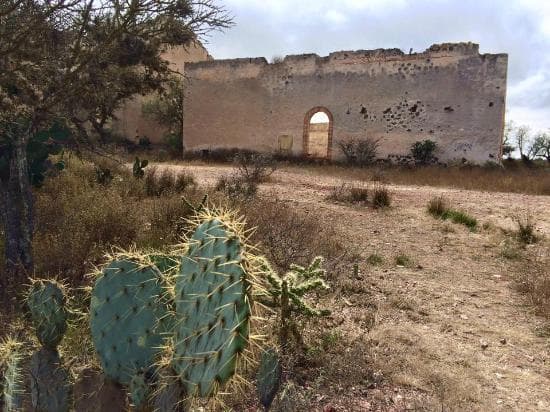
(170, 396)
(46, 303)
(129, 317)
(11, 359)
(269, 377)
(50, 388)
(138, 390)
(212, 301)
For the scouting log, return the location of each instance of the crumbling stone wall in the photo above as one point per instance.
(449, 93)
(130, 122)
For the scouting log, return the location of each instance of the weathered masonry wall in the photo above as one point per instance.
(450, 94)
(130, 121)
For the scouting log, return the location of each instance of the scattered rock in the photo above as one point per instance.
(484, 344)
(503, 341)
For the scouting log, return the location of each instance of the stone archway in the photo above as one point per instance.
(313, 140)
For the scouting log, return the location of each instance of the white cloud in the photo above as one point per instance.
(335, 17)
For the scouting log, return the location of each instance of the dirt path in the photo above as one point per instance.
(449, 324)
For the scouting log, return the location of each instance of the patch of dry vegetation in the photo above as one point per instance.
(514, 178)
(78, 219)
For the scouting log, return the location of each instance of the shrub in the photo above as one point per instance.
(348, 194)
(423, 152)
(236, 187)
(254, 167)
(403, 260)
(167, 182)
(174, 143)
(526, 230)
(375, 259)
(183, 181)
(144, 142)
(286, 236)
(360, 152)
(381, 196)
(437, 206)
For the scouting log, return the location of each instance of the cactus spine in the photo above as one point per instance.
(11, 359)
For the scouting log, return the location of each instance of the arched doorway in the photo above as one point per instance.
(318, 133)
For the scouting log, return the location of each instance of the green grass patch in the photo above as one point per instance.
(375, 259)
(438, 207)
(460, 217)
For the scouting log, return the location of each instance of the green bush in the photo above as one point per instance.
(423, 152)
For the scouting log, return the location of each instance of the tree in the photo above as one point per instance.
(166, 108)
(507, 146)
(541, 145)
(525, 144)
(72, 63)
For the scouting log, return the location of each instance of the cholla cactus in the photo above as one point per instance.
(287, 293)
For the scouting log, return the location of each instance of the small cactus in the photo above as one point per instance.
(139, 166)
(129, 317)
(269, 377)
(46, 303)
(11, 359)
(287, 293)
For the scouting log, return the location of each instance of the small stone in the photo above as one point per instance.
(484, 344)
(503, 341)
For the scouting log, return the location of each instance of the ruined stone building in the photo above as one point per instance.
(130, 122)
(450, 94)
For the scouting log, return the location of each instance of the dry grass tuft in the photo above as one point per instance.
(381, 197)
(533, 278)
(526, 230)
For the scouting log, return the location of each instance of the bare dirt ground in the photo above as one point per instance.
(449, 331)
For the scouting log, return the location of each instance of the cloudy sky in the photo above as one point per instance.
(520, 28)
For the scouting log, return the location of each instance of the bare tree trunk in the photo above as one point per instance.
(17, 212)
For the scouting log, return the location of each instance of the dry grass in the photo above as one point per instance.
(533, 277)
(349, 194)
(78, 219)
(514, 178)
(289, 236)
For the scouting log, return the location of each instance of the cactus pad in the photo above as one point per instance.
(269, 377)
(138, 390)
(50, 387)
(128, 317)
(46, 303)
(212, 303)
(11, 359)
